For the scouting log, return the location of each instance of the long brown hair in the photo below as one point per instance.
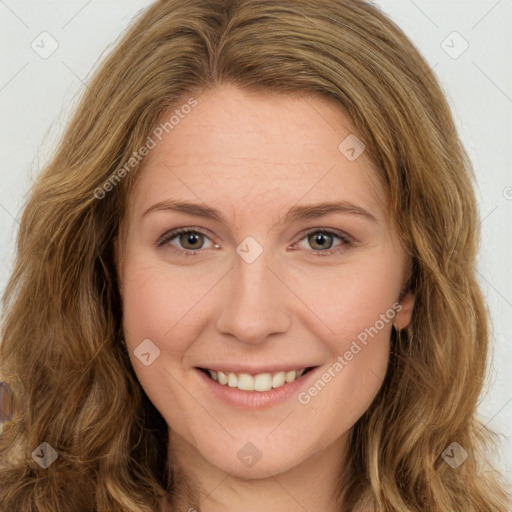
(61, 350)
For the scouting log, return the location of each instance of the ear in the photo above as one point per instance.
(404, 316)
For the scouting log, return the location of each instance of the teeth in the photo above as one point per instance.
(262, 382)
(278, 379)
(232, 380)
(244, 381)
(290, 376)
(259, 382)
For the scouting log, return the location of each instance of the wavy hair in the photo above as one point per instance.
(61, 347)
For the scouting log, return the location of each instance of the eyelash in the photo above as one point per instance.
(347, 242)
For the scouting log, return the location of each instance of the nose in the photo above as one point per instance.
(254, 301)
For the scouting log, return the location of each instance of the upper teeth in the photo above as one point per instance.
(259, 382)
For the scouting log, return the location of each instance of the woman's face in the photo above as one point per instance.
(267, 281)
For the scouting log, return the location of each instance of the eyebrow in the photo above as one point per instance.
(302, 212)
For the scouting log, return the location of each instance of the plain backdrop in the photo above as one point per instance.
(466, 42)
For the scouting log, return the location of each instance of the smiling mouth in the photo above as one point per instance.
(258, 382)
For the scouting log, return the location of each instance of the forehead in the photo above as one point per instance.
(250, 153)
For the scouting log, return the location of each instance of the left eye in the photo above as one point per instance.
(192, 241)
(320, 237)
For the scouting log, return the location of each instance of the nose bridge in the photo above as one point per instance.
(254, 305)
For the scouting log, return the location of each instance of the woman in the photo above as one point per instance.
(243, 370)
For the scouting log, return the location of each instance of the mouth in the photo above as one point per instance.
(256, 382)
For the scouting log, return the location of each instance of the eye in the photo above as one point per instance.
(322, 239)
(191, 240)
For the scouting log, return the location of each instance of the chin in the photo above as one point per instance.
(244, 460)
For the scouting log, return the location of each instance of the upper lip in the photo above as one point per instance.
(241, 368)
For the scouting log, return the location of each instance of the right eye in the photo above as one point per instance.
(185, 237)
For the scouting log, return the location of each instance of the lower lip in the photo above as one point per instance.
(255, 399)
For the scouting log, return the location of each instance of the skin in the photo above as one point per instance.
(253, 157)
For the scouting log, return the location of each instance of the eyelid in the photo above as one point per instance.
(341, 234)
(170, 235)
(173, 233)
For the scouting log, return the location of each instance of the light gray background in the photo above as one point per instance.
(37, 94)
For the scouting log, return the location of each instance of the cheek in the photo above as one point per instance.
(347, 385)
(354, 299)
(346, 389)
(357, 304)
(155, 300)
(159, 307)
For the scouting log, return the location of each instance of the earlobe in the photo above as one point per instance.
(404, 316)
